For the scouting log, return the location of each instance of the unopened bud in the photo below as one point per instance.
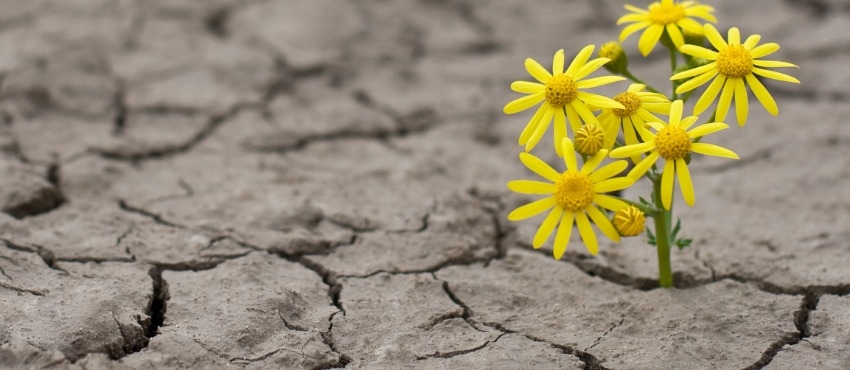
(629, 221)
(589, 139)
(614, 51)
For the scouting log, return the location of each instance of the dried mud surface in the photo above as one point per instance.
(321, 184)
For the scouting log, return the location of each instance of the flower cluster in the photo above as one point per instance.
(629, 125)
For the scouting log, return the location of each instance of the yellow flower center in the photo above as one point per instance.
(666, 13)
(560, 90)
(735, 61)
(574, 191)
(672, 143)
(630, 101)
(589, 139)
(629, 221)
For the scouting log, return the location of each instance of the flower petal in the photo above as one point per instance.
(709, 94)
(690, 25)
(741, 101)
(537, 71)
(613, 184)
(531, 187)
(586, 232)
(694, 71)
(773, 64)
(657, 125)
(562, 237)
(569, 155)
(685, 183)
(713, 150)
(523, 103)
(714, 37)
(558, 62)
(579, 61)
(687, 122)
(706, 129)
(593, 162)
(667, 178)
(643, 166)
(607, 171)
(649, 38)
(725, 99)
(560, 129)
(752, 41)
(675, 35)
(589, 68)
(545, 121)
(532, 123)
(676, 112)
(635, 9)
(532, 209)
(546, 228)
(762, 95)
(629, 18)
(734, 36)
(696, 81)
(586, 114)
(764, 50)
(603, 223)
(608, 202)
(775, 75)
(539, 167)
(573, 117)
(631, 150)
(632, 28)
(526, 87)
(598, 81)
(598, 101)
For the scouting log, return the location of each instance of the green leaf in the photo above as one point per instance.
(676, 229)
(650, 237)
(683, 243)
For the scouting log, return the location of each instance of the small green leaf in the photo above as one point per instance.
(650, 237)
(683, 243)
(676, 229)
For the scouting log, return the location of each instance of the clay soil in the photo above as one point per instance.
(321, 184)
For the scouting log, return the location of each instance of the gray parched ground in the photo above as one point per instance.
(321, 184)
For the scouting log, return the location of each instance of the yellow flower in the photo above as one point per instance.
(639, 108)
(561, 96)
(666, 15)
(674, 142)
(573, 195)
(732, 63)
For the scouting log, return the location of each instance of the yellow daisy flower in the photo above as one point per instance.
(674, 142)
(639, 108)
(732, 63)
(574, 195)
(664, 16)
(561, 96)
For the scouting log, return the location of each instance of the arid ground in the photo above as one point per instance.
(321, 184)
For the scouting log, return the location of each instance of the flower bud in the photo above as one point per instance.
(629, 221)
(614, 51)
(589, 139)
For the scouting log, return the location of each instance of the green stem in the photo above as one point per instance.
(634, 78)
(662, 236)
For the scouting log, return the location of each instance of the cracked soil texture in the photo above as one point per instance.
(321, 184)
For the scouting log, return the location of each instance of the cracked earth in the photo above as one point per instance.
(321, 184)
